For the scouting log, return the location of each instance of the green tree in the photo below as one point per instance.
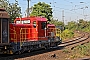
(42, 9)
(57, 23)
(67, 34)
(71, 25)
(82, 24)
(12, 8)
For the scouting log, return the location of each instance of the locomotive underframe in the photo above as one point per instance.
(21, 47)
(5, 48)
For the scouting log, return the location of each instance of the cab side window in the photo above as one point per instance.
(43, 25)
(34, 24)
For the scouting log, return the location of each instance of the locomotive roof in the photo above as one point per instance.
(3, 13)
(32, 18)
(50, 25)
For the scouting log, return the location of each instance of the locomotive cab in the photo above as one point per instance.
(4, 29)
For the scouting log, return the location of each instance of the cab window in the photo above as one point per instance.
(34, 24)
(43, 25)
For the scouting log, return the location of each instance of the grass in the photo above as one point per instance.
(66, 51)
(78, 52)
(81, 51)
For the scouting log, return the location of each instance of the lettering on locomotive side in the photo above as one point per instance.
(26, 21)
(23, 22)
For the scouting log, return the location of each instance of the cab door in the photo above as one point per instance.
(42, 30)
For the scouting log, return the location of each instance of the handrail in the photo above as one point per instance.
(24, 33)
(15, 38)
(57, 31)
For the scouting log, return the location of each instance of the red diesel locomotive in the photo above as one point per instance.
(26, 34)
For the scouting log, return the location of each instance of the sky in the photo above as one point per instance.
(67, 10)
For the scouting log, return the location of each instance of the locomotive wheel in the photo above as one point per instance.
(45, 48)
(11, 52)
(19, 52)
(57, 38)
(29, 51)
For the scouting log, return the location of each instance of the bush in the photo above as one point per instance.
(67, 34)
(83, 49)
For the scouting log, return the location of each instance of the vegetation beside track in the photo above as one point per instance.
(78, 52)
(67, 34)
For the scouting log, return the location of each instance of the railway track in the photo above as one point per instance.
(77, 41)
(67, 44)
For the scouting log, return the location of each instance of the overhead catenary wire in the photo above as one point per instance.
(74, 8)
